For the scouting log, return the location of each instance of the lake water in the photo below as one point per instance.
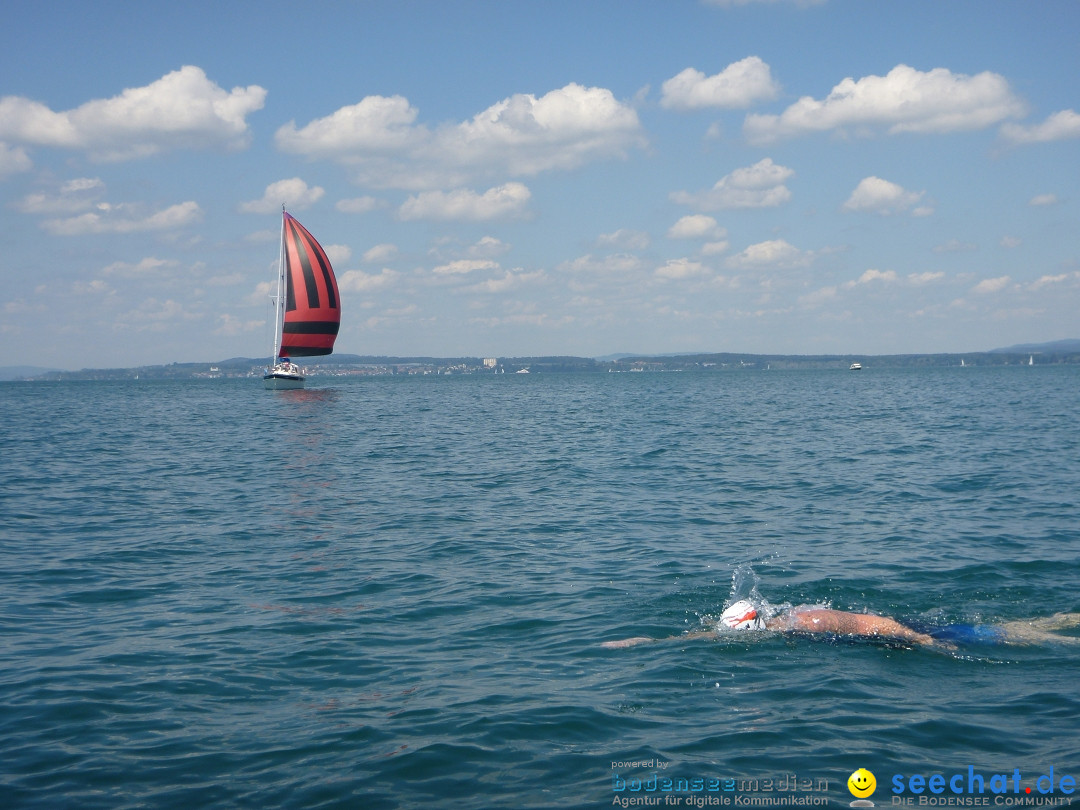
(391, 592)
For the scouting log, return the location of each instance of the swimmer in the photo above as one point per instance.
(742, 615)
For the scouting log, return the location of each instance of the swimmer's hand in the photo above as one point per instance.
(626, 642)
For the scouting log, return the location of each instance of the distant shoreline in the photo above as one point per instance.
(344, 365)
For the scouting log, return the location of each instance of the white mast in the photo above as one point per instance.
(279, 300)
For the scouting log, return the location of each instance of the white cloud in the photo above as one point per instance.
(757, 186)
(223, 280)
(510, 280)
(377, 124)
(487, 247)
(904, 100)
(111, 219)
(774, 253)
(561, 130)
(264, 236)
(74, 196)
(155, 315)
(925, 278)
(624, 239)
(1044, 199)
(13, 159)
(1059, 126)
(293, 193)
(337, 254)
(1010, 242)
(390, 316)
(463, 266)
(145, 268)
(181, 110)
(231, 326)
(681, 269)
(507, 200)
(380, 253)
(740, 84)
(616, 264)
(992, 285)
(97, 286)
(82, 184)
(1045, 281)
(522, 135)
(696, 226)
(262, 291)
(359, 205)
(31, 122)
(870, 276)
(881, 197)
(359, 281)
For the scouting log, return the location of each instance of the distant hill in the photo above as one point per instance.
(21, 372)
(1054, 347)
(1060, 352)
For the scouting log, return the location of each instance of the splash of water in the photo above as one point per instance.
(744, 585)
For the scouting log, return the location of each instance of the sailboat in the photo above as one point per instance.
(307, 307)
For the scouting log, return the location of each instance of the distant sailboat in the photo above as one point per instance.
(307, 308)
(1031, 359)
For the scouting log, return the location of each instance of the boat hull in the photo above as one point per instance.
(279, 381)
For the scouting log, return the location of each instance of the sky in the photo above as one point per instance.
(507, 179)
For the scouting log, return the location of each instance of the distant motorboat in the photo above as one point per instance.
(855, 367)
(522, 371)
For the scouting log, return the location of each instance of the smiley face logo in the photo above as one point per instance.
(861, 783)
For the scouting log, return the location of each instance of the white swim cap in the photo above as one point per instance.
(742, 616)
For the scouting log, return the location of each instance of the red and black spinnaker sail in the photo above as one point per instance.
(312, 303)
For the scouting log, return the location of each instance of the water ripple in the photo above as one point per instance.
(391, 593)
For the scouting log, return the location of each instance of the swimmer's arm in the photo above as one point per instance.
(633, 642)
(855, 624)
(893, 629)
